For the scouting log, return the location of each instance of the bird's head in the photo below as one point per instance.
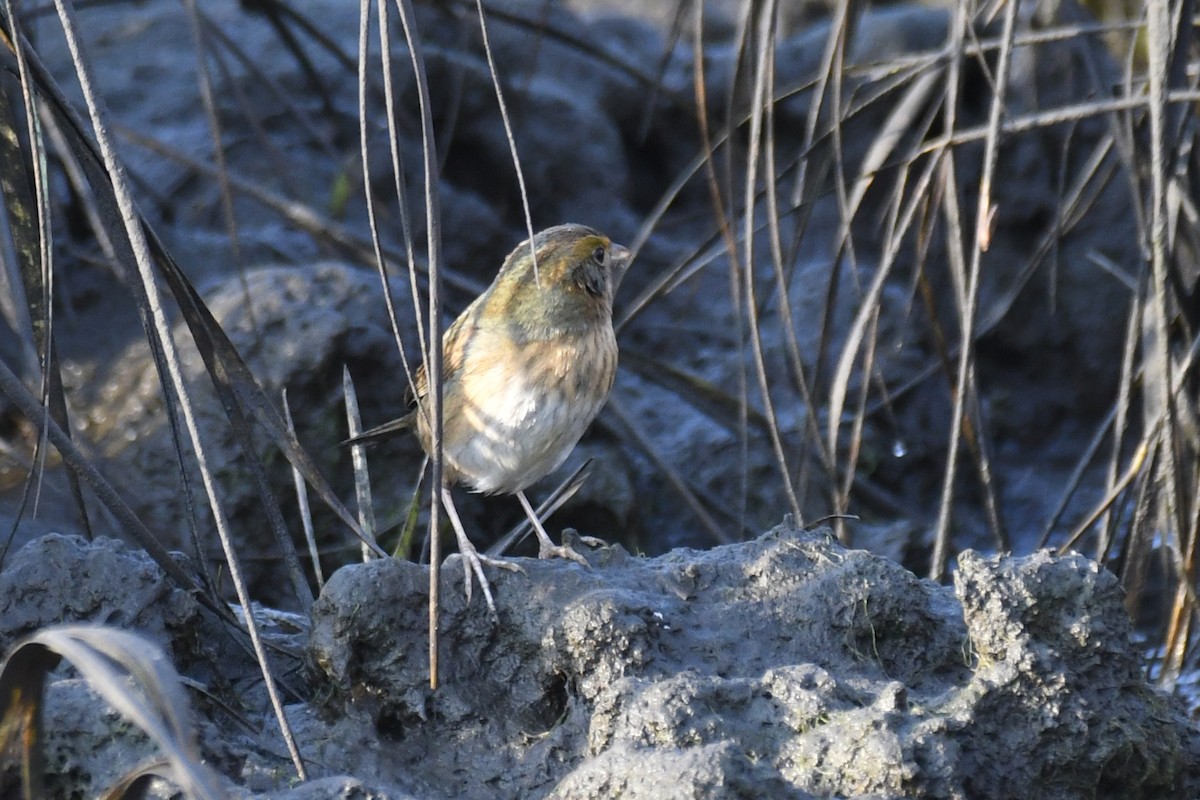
(577, 273)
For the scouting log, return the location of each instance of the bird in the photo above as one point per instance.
(526, 368)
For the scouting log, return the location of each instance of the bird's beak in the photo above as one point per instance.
(620, 258)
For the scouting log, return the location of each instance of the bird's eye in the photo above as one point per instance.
(599, 254)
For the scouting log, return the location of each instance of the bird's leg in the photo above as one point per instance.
(473, 561)
(547, 548)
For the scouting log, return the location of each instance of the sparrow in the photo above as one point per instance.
(526, 368)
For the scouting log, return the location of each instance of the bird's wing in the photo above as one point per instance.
(454, 347)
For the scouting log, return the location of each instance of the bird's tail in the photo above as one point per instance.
(385, 431)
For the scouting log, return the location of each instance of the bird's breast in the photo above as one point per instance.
(515, 411)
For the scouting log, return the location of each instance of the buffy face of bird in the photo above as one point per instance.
(530, 363)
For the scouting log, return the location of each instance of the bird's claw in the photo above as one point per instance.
(548, 550)
(592, 541)
(473, 562)
(502, 563)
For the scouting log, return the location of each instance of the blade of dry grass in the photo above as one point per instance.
(1159, 369)
(1039, 120)
(720, 194)
(64, 131)
(302, 503)
(145, 265)
(856, 333)
(204, 82)
(406, 541)
(954, 233)
(1140, 545)
(1074, 482)
(138, 782)
(897, 125)
(108, 659)
(362, 481)
(761, 97)
(679, 19)
(362, 476)
(28, 217)
(814, 170)
(433, 355)
(968, 283)
(1121, 424)
(783, 267)
(508, 133)
(1115, 421)
(399, 185)
(1136, 463)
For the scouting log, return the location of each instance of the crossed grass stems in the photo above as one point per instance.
(757, 188)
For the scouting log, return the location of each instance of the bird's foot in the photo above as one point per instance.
(590, 541)
(472, 560)
(548, 549)
(473, 563)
